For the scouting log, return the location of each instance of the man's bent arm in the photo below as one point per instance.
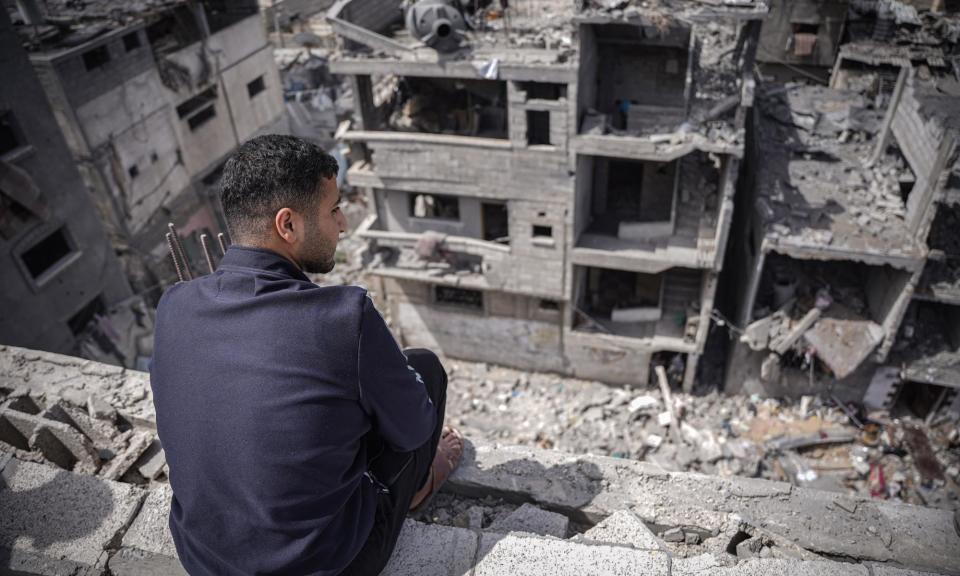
(390, 390)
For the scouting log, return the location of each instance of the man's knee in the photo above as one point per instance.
(426, 363)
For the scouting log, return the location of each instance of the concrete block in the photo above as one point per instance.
(58, 442)
(151, 463)
(535, 520)
(431, 550)
(55, 522)
(625, 528)
(782, 567)
(147, 547)
(519, 556)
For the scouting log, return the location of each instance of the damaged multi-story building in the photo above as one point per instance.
(59, 272)
(553, 183)
(152, 98)
(846, 256)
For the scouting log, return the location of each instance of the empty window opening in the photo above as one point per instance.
(201, 117)
(804, 39)
(549, 305)
(194, 104)
(97, 57)
(542, 231)
(436, 206)
(223, 13)
(496, 222)
(47, 253)
(630, 195)
(133, 171)
(79, 321)
(462, 297)
(544, 91)
(538, 127)
(256, 86)
(131, 41)
(10, 138)
(447, 106)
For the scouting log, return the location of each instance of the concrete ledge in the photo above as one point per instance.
(513, 555)
(56, 522)
(55, 376)
(590, 488)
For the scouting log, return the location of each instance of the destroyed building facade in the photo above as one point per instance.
(554, 188)
(844, 257)
(152, 98)
(59, 271)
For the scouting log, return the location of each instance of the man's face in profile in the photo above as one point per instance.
(324, 224)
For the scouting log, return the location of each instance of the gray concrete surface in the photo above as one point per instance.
(591, 488)
(625, 528)
(431, 550)
(56, 522)
(515, 555)
(534, 520)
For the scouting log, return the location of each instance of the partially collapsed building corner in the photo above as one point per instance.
(564, 172)
(844, 260)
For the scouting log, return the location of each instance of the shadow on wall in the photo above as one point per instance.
(42, 520)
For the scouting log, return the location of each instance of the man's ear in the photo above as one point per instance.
(287, 224)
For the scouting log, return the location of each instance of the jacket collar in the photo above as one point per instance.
(261, 259)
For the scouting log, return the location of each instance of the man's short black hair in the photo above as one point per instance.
(268, 173)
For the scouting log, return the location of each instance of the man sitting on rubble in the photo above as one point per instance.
(297, 433)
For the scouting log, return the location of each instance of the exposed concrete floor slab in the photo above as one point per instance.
(51, 519)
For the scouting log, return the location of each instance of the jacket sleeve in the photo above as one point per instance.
(391, 391)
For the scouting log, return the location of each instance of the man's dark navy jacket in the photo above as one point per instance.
(265, 387)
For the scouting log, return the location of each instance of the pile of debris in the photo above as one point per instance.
(823, 443)
(87, 437)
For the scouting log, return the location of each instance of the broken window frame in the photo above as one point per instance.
(39, 278)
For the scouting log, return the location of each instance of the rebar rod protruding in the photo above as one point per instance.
(173, 255)
(222, 241)
(205, 243)
(183, 259)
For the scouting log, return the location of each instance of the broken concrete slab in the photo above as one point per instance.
(151, 462)
(534, 520)
(843, 344)
(529, 556)
(589, 488)
(798, 329)
(59, 443)
(55, 522)
(53, 376)
(138, 444)
(623, 527)
(432, 550)
(147, 547)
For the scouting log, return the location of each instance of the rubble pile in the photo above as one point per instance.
(84, 435)
(813, 442)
